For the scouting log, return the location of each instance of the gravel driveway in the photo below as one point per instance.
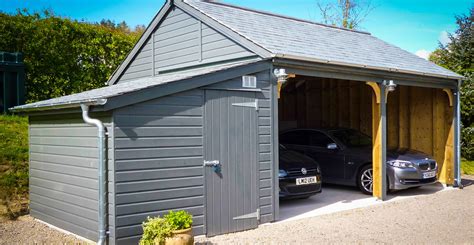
(26, 230)
(445, 217)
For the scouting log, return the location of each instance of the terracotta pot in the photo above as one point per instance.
(181, 237)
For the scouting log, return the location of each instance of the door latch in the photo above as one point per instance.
(215, 164)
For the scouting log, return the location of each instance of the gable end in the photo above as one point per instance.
(179, 41)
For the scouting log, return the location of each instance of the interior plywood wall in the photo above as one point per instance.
(325, 103)
(421, 119)
(417, 118)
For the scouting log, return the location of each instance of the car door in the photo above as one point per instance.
(297, 140)
(314, 144)
(331, 161)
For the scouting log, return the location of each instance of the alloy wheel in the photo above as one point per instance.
(366, 180)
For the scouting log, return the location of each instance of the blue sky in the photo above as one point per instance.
(414, 25)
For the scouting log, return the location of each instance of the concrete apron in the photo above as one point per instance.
(340, 198)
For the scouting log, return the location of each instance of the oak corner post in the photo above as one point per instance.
(379, 140)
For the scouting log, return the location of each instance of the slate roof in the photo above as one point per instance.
(100, 95)
(300, 39)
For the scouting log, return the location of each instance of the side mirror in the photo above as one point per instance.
(332, 146)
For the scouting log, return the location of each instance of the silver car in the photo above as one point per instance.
(345, 158)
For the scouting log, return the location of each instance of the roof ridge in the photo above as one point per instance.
(278, 15)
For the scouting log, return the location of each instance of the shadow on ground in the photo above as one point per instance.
(467, 181)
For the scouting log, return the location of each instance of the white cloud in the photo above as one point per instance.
(444, 38)
(425, 54)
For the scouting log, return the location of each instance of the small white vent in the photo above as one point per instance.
(249, 81)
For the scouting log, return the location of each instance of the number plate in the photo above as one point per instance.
(306, 181)
(428, 175)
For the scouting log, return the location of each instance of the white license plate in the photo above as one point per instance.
(428, 175)
(306, 181)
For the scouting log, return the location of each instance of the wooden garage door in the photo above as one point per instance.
(230, 140)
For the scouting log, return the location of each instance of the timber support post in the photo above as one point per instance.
(379, 140)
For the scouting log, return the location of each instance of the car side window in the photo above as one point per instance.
(319, 139)
(295, 138)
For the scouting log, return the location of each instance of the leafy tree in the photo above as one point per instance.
(458, 56)
(64, 56)
(344, 13)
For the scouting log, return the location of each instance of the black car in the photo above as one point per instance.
(299, 175)
(345, 157)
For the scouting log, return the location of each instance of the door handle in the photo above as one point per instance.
(215, 164)
(211, 163)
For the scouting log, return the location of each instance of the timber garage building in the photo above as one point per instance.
(208, 86)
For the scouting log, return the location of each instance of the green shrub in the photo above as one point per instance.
(179, 220)
(64, 56)
(467, 143)
(156, 230)
(14, 165)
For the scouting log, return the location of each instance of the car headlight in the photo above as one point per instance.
(401, 164)
(282, 173)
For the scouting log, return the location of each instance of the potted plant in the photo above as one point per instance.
(181, 228)
(175, 228)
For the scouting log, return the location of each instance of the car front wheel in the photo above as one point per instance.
(365, 180)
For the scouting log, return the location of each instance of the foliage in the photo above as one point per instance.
(467, 167)
(64, 56)
(458, 56)
(14, 164)
(179, 220)
(156, 230)
(344, 13)
(467, 142)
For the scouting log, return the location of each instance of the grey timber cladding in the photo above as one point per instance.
(181, 41)
(63, 173)
(265, 150)
(159, 156)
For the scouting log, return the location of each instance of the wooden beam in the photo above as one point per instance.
(441, 131)
(325, 109)
(376, 90)
(449, 92)
(354, 105)
(446, 173)
(377, 142)
(392, 119)
(365, 109)
(447, 169)
(280, 83)
(403, 117)
(279, 86)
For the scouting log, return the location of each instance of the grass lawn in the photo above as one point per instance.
(13, 165)
(467, 167)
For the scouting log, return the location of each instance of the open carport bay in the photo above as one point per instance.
(417, 118)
